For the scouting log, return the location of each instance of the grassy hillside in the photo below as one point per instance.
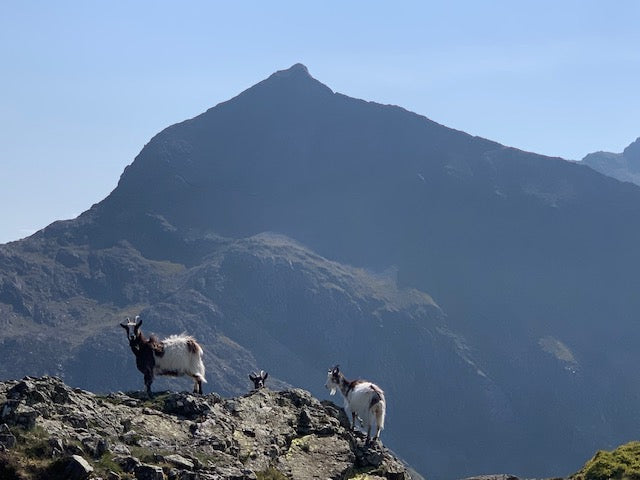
(621, 463)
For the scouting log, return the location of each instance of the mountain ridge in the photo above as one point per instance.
(516, 262)
(52, 431)
(623, 166)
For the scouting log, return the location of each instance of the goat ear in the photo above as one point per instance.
(125, 326)
(252, 378)
(264, 377)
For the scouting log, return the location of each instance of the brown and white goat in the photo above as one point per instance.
(258, 379)
(176, 355)
(362, 399)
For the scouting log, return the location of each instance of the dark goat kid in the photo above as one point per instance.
(258, 379)
(175, 355)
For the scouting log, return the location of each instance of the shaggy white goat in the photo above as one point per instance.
(175, 355)
(363, 399)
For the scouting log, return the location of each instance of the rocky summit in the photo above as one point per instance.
(50, 430)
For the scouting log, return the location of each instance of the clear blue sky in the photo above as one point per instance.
(84, 85)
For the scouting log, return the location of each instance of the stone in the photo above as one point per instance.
(102, 447)
(77, 468)
(120, 449)
(25, 417)
(128, 464)
(131, 438)
(6, 412)
(57, 446)
(21, 389)
(148, 472)
(180, 462)
(7, 440)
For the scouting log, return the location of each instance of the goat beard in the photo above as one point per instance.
(332, 391)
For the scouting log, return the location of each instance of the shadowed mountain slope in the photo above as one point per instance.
(533, 260)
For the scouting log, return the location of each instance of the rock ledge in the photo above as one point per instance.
(49, 430)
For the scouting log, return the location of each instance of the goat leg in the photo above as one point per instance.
(197, 386)
(148, 380)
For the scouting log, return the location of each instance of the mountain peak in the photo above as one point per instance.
(632, 152)
(297, 69)
(295, 77)
(280, 85)
(624, 166)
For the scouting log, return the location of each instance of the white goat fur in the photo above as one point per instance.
(177, 358)
(362, 399)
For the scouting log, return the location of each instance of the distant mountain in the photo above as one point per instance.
(624, 166)
(491, 292)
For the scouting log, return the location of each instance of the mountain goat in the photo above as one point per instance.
(363, 399)
(258, 379)
(175, 355)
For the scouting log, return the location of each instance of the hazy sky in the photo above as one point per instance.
(84, 85)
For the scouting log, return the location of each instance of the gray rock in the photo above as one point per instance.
(128, 464)
(21, 389)
(148, 472)
(131, 438)
(232, 473)
(102, 447)
(7, 440)
(25, 417)
(111, 475)
(77, 468)
(186, 405)
(180, 462)
(120, 449)
(57, 446)
(8, 408)
(317, 457)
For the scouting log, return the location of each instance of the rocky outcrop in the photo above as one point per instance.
(49, 430)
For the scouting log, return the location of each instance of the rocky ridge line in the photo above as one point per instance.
(49, 430)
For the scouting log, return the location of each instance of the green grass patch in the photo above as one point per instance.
(105, 464)
(621, 463)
